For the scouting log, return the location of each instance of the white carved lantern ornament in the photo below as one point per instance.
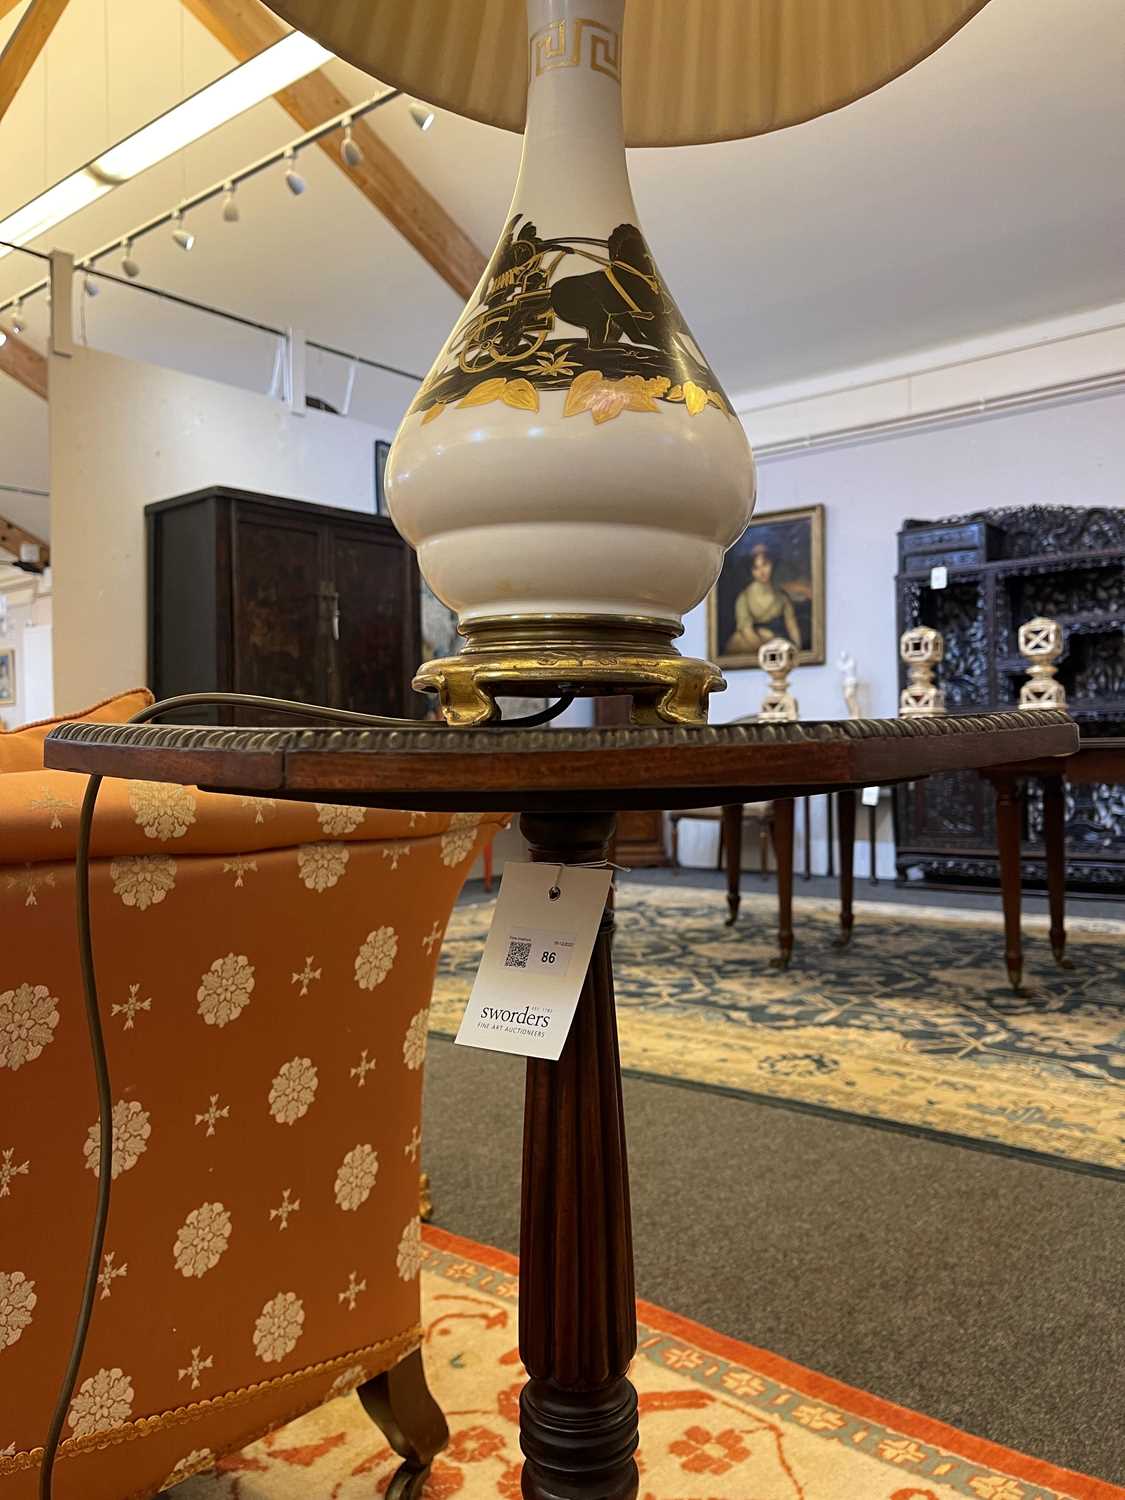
(1041, 642)
(921, 649)
(571, 471)
(778, 657)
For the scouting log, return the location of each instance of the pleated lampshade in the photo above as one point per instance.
(698, 70)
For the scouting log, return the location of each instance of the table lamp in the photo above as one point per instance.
(571, 471)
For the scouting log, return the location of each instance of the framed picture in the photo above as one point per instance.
(7, 675)
(772, 584)
(382, 448)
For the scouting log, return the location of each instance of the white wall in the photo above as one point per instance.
(1072, 454)
(123, 434)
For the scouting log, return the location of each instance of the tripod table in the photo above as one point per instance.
(578, 1410)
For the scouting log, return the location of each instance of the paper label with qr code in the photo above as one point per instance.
(535, 959)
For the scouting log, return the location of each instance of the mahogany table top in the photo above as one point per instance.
(1097, 761)
(550, 769)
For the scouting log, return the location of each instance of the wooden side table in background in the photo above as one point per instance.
(578, 1410)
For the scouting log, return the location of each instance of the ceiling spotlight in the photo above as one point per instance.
(422, 115)
(293, 179)
(349, 151)
(183, 237)
(17, 322)
(90, 286)
(128, 264)
(230, 206)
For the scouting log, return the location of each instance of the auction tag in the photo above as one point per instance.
(939, 577)
(870, 796)
(535, 959)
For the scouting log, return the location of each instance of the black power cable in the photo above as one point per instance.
(93, 1013)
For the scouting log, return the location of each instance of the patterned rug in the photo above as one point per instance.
(914, 1024)
(720, 1420)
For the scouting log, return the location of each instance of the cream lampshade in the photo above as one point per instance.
(571, 471)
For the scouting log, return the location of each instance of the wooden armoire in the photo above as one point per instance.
(250, 593)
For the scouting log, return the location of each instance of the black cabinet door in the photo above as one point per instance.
(279, 606)
(374, 621)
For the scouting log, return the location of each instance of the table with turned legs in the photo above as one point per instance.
(578, 1409)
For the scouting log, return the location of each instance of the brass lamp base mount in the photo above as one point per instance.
(587, 655)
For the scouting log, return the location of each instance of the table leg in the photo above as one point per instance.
(732, 842)
(873, 869)
(1054, 837)
(783, 853)
(808, 838)
(1008, 809)
(577, 1310)
(831, 870)
(846, 810)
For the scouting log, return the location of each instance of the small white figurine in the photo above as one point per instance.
(846, 663)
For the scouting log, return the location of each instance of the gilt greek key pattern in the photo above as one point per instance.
(555, 46)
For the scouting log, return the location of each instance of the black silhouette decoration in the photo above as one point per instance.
(629, 323)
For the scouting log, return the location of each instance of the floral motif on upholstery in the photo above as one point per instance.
(143, 880)
(409, 1258)
(414, 1043)
(17, 1302)
(224, 991)
(356, 1176)
(321, 865)
(103, 1402)
(375, 957)
(279, 1326)
(131, 1130)
(164, 810)
(28, 1017)
(336, 818)
(293, 1090)
(194, 1462)
(346, 1381)
(459, 838)
(202, 1239)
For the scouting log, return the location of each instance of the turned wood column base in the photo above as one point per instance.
(578, 1444)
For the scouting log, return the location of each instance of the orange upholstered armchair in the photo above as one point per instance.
(264, 971)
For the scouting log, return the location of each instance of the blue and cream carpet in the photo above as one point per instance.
(914, 1025)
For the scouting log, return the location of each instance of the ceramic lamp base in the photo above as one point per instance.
(588, 656)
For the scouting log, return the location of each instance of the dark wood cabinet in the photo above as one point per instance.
(1005, 567)
(251, 593)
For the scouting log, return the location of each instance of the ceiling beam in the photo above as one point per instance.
(7, 6)
(13, 537)
(245, 28)
(24, 363)
(25, 45)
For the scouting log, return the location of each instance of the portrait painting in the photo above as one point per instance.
(7, 674)
(772, 584)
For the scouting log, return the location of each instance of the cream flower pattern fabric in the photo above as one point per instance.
(346, 1381)
(224, 991)
(409, 1259)
(356, 1176)
(28, 1017)
(163, 810)
(143, 880)
(414, 1043)
(194, 1462)
(293, 1090)
(334, 818)
(321, 865)
(131, 1131)
(202, 1239)
(279, 1326)
(103, 1402)
(459, 838)
(375, 957)
(17, 1302)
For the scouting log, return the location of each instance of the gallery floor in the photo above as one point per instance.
(977, 1287)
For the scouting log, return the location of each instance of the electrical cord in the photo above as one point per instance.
(93, 1012)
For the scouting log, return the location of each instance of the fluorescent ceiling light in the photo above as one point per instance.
(235, 92)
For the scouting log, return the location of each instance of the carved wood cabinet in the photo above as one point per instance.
(1004, 567)
(250, 593)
